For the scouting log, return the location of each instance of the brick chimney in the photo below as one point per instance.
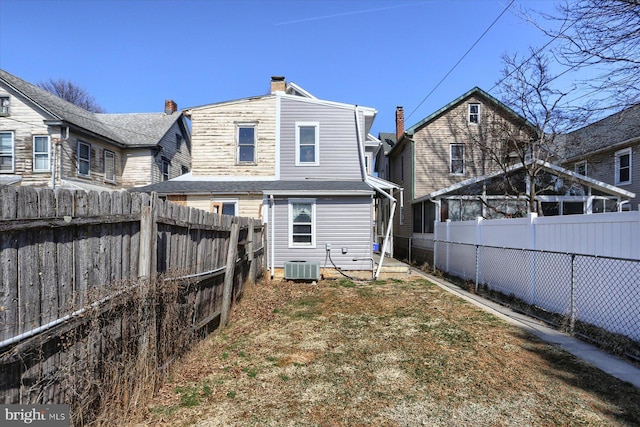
(399, 123)
(278, 83)
(170, 106)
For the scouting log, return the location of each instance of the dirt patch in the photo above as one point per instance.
(388, 353)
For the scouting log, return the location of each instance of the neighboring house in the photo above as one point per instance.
(46, 141)
(605, 151)
(439, 151)
(294, 161)
(445, 164)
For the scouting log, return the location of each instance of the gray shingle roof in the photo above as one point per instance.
(139, 129)
(58, 108)
(616, 128)
(257, 187)
(134, 129)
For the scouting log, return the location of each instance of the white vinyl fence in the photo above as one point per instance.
(585, 268)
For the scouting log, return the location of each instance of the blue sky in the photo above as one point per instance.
(132, 55)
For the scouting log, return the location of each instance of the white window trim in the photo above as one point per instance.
(580, 164)
(109, 179)
(227, 201)
(451, 172)
(316, 148)
(47, 152)
(13, 152)
(87, 160)
(619, 154)
(469, 113)
(312, 245)
(255, 143)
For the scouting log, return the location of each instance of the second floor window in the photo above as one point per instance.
(581, 168)
(623, 167)
(474, 113)
(41, 153)
(109, 166)
(246, 144)
(456, 159)
(165, 170)
(6, 152)
(307, 145)
(84, 159)
(5, 102)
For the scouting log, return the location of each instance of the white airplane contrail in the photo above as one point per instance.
(355, 12)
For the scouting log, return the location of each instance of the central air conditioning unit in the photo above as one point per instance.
(301, 270)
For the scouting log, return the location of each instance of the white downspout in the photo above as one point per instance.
(273, 234)
(363, 168)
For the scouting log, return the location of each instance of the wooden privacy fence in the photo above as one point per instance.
(93, 285)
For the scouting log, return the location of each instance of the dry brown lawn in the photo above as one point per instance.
(387, 353)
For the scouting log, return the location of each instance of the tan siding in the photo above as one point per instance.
(214, 138)
(248, 206)
(25, 123)
(69, 157)
(136, 164)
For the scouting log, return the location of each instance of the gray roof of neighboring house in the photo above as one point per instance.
(257, 187)
(619, 128)
(58, 108)
(135, 129)
(140, 129)
(388, 141)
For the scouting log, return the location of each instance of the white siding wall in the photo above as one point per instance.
(340, 221)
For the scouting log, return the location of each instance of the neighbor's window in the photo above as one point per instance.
(623, 167)
(307, 146)
(581, 167)
(302, 222)
(109, 166)
(474, 113)
(6, 152)
(456, 152)
(84, 159)
(166, 170)
(246, 137)
(41, 153)
(225, 207)
(5, 102)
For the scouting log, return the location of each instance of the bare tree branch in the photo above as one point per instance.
(73, 93)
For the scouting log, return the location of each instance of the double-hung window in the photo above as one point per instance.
(41, 146)
(581, 167)
(302, 214)
(84, 159)
(109, 166)
(246, 137)
(307, 143)
(474, 113)
(456, 159)
(623, 167)
(5, 103)
(6, 152)
(165, 169)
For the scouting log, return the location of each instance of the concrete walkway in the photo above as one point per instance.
(612, 365)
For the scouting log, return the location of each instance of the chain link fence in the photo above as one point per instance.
(596, 298)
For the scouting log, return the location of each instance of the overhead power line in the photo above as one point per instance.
(462, 58)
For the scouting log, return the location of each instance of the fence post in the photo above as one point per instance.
(478, 244)
(250, 255)
(147, 275)
(229, 271)
(572, 303)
